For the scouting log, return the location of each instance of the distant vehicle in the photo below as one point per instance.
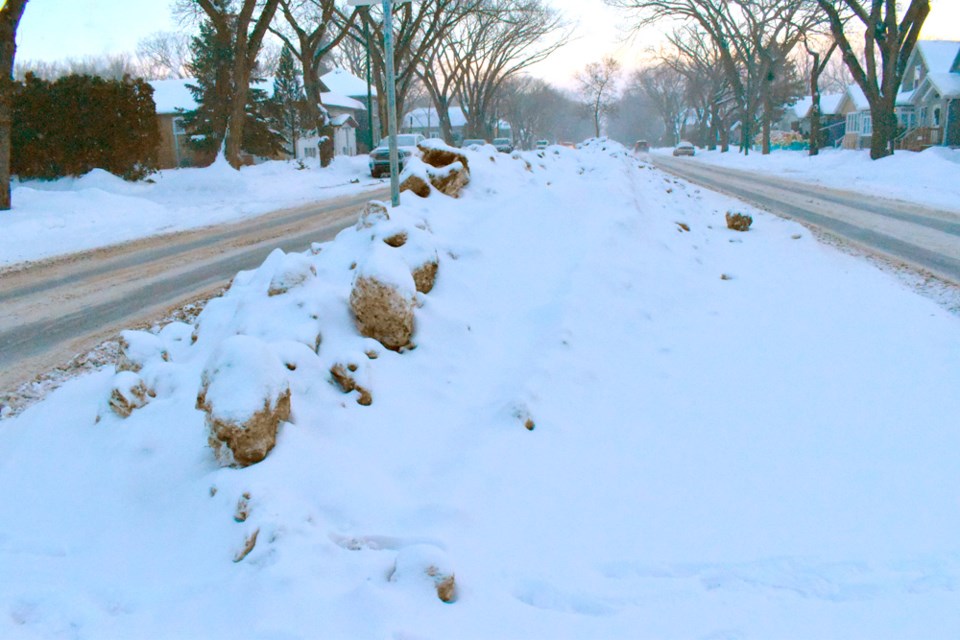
(470, 142)
(684, 149)
(543, 144)
(406, 147)
(641, 146)
(504, 145)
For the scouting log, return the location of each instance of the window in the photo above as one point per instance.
(310, 152)
(853, 122)
(936, 117)
(867, 124)
(178, 126)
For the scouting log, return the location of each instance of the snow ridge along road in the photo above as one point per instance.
(52, 310)
(922, 237)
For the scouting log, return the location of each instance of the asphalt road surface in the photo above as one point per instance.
(52, 310)
(924, 238)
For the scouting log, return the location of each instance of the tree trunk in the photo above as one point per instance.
(815, 110)
(884, 132)
(9, 19)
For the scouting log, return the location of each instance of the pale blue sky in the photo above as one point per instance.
(56, 29)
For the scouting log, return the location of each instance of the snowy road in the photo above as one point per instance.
(55, 309)
(922, 237)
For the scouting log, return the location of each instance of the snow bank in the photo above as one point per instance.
(766, 454)
(927, 178)
(99, 209)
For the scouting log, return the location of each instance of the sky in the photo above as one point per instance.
(57, 29)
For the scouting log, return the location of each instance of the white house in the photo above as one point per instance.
(344, 83)
(426, 122)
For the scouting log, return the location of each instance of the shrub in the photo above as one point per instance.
(76, 123)
(738, 221)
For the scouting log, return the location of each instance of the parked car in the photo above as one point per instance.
(684, 149)
(406, 147)
(542, 144)
(471, 142)
(504, 145)
(641, 146)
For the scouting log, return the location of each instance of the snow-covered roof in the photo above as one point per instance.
(336, 99)
(173, 96)
(345, 83)
(946, 84)
(427, 117)
(860, 102)
(938, 55)
(829, 105)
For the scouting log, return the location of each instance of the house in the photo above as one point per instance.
(173, 98)
(933, 74)
(426, 122)
(797, 117)
(343, 112)
(928, 106)
(859, 128)
(344, 83)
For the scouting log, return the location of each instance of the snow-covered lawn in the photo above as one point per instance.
(929, 178)
(51, 218)
(736, 435)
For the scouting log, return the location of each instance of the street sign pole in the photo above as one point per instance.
(391, 82)
(391, 102)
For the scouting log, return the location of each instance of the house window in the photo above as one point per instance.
(310, 152)
(923, 116)
(936, 117)
(867, 124)
(853, 122)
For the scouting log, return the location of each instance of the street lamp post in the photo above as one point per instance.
(391, 82)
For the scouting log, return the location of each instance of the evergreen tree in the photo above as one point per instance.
(211, 66)
(288, 101)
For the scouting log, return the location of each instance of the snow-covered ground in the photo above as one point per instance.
(929, 178)
(51, 218)
(736, 435)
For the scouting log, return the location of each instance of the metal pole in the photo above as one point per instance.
(366, 39)
(391, 102)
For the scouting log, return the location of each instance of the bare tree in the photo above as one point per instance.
(666, 88)
(753, 37)
(598, 86)
(10, 15)
(417, 25)
(241, 26)
(888, 41)
(819, 54)
(494, 41)
(164, 54)
(311, 30)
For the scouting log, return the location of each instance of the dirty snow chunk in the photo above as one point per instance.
(421, 178)
(382, 298)
(138, 347)
(127, 393)
(424, 564)
(438, 153)
(293, 270)
(245, 394)
(373, 212)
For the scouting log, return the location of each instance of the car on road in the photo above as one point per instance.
(684, 149)
(406, 147)
(503, 145)
(472, 142)
(641, 146)
(542, 144)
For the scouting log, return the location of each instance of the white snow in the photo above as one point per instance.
(770, 455)
(99, 209)
(928, 178)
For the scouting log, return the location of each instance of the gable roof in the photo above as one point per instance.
(346, 84)
(938, 55)
(426, 117)
(829, 105)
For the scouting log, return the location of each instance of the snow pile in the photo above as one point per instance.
(99, 209)
(615, 417)
(927, 178)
